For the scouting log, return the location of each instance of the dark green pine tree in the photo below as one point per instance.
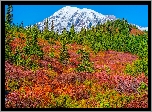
(64, 35)
(8, 19)
(50, 34)
(85, 32)
(72, 32)
(9, 15)
(82, 32)
(64, 52)
(52, 26)
(46, 25)
(56, 35)
(21, 25)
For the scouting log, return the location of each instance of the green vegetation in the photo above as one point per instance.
(85, 64)
(64, 54)
(72, 69)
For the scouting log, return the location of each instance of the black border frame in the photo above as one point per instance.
(3, 3)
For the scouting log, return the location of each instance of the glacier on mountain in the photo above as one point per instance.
(66, 16)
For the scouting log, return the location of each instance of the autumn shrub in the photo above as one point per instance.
(142, 87)
(62, 101)
(13, 84)
(20, 100)
(137, 67)
(8, 53)
(112, 99)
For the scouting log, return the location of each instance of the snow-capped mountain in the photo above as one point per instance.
(65, 17)
(142, 28)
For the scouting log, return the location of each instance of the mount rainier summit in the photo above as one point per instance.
(66, 16)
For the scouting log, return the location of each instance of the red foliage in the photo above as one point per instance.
(65, 82)
(79, 92)
(53, 63)
(116, 61)
(141, 102)
(73, 77)
(17, 43)
(122, 83)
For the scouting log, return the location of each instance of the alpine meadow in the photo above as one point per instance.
(102, 65)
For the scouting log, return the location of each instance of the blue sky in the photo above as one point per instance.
(30, 14)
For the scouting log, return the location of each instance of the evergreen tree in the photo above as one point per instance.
(64, 36)
(72, 32)
(9, 15)
(52, 26)
(82, 32)
(64, 55)
(22, 24)
(8, 20)
(90, 25)
(46, 25)
(56, 35)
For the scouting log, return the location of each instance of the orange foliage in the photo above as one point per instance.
(136, 32)
(17, 43)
